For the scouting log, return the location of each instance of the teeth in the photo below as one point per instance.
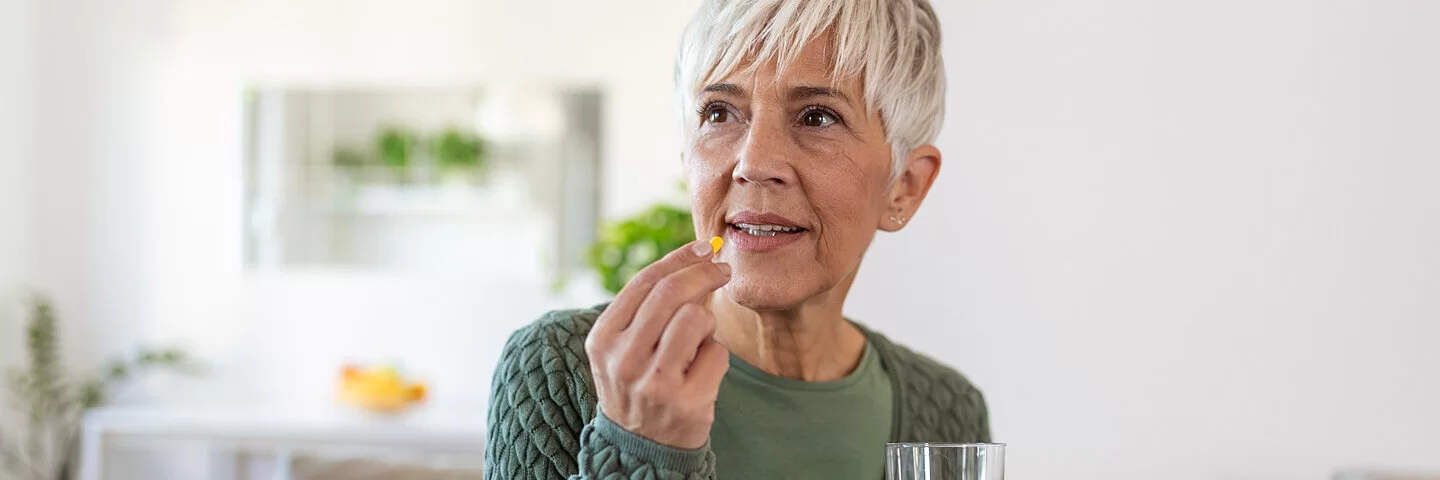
(765, 230)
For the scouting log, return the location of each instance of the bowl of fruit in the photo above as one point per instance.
(379, 389)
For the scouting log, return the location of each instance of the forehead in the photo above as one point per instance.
(814, 64)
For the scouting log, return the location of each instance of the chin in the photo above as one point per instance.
(765, 292)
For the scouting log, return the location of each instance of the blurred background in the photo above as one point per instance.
(1183, 240)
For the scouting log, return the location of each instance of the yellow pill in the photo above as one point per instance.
(715, 243)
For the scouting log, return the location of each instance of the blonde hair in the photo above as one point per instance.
(893, 44)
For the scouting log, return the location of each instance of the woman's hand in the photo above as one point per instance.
(657, 370)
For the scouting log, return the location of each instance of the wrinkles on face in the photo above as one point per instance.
(799, 144)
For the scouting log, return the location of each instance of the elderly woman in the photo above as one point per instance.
(807, 128)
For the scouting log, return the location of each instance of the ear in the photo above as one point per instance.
(922, 165)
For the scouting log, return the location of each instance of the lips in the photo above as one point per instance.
(762, 232)
(769, 222)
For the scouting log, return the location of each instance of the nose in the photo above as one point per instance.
(765, 158)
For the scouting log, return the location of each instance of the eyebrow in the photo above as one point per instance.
(726, 88)
(796, 93)
(800, 93)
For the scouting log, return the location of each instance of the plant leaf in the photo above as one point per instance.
(629, 245)
(91, 394)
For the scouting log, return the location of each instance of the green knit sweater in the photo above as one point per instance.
(544, 423)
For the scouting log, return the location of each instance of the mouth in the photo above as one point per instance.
(763, 232)
(763, 224)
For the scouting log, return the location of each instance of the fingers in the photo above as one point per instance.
(692, 326)
(617, 316)
(688, 285)
(709, 367)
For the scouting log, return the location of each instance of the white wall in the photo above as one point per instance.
(1176, 240)
(140, 197)
(1184, 240)
(15, 169)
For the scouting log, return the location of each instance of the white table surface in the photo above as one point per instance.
(419, 430)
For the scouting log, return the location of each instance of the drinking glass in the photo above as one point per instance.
(944, 461)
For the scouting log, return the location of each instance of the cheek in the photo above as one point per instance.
(846, 189)
(707, 182)
(707, 158)
(847, 218)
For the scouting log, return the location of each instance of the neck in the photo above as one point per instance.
(811, 342)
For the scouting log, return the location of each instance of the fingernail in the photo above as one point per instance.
(724, 268)
(700, 249)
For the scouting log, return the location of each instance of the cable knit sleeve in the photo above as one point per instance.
(543, 421)
(613, 453)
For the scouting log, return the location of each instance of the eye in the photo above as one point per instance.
(818, 117)
(718, 115)
(715, 113)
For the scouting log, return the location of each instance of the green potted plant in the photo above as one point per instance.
(395, 146)
(50, 403)
(458, 152)
(349, 163)
(627, 246)
(348, 158)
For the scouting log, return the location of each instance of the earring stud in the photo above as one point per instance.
(898, 221)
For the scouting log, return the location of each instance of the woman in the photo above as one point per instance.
(807, 126)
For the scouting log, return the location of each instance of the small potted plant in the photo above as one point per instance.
(458, 153)
(42, 444)
(350, 167)
(627, 246)
(396, 148)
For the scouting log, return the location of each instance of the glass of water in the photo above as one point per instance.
(944, 461)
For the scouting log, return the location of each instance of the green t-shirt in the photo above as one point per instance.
(772, 427)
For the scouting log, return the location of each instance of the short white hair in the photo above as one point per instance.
(893, 44)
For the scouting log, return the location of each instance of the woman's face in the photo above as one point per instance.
(793, 173)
